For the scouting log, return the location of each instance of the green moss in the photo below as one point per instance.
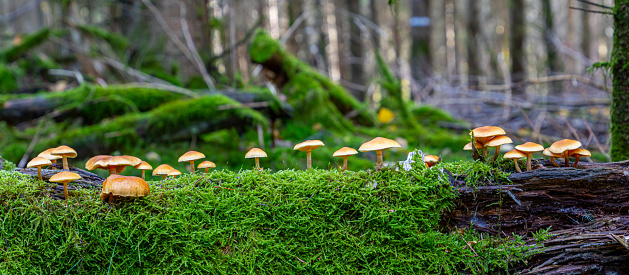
(8, 81)
(263, 47)
(117, 41)
(310, 222)
(479, 173)
(32, 40)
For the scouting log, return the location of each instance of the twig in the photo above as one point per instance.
(192, 48)
(528, 120)
(8, 17)
(598, 144)
(301, 260)
(171, 35)
(31, 146)
(592, 11)
(596, 4)
(238, 43)
(574, 132)
(506, 111)
(223, 187)
(546, 79)
(470, 246)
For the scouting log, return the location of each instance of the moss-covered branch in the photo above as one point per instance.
(12, 53)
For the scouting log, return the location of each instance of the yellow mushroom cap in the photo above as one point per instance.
(378, 144)
(191, 156)
(564, 145)
(529, 147)
(206, 164)
(64, 150)
(498, 141)
(91, 163)
(133, 160)
(468, 146)
(47, 154)
(431, 158)
(488, 131)
(580, 152)
(514, 154)
(162, 170)
(38, 162)
(547, 153)
(64, 176)
(308, 145)
(114, 161)
(143, 166)
(174, 172)
(255, 153)
(125, 186)
(344, 152)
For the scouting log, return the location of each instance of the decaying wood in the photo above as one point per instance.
(88, 180)
(571, 201)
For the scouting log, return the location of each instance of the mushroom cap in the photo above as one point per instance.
(565, 144)
(488, 131)
(162, 170)
(206, 164)
(529, 147)
(47, 154)
(134, 160)
(468, 146)
(125, 186)
(548, 153)
(114, 161)
(64, 176)
(191, 156)
(91, 163)
(514, 154)
(174, 172)
(580, 152)
(38, 162)
(378, 144)
(497, 141)
(344, 152)
(255, 153)
(143, 166)
(64, 150)
(431, 158)
(308, 145)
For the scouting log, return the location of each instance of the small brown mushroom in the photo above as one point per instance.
(578, 153)
(379, 144)
(344, 153)
(515, 155)
(206, 165)
(497, 142)
(256, 153)
(307, 146)
(46, 154)
(486, 133)
(65, 177)
(563, 147)
(162, 170)
(143, 166)
(65, 152)
(552, 156)
(191, 156)
(529, 148)
(431, 160)
(174, 173)
(124, 186)
(38, 162)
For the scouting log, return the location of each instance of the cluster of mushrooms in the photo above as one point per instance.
(491, 136)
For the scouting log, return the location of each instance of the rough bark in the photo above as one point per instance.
(552, 56)
(620, 94)
(473, 50)
(420, 33)
(516, 41)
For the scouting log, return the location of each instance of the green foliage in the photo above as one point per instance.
(263, 47)
(117, 41)
(542, 235)
(312, 222)
(604, 66)
(477, 172)
(12, 53)
(8, 81)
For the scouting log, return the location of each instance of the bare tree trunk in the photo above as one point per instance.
(552, 59)
(473, 47)
(420, 47)
(356, 51)
(620, 94)
(373, 16)
(516, 42)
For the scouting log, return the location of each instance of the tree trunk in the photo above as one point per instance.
(420, 47)
(620, 72)
(474, 47)
(356, 51)
(516, 42)
(552, 56)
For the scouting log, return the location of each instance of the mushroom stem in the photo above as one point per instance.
(497, 152)
(552, 160)
(344, 163)
(258, 163)
(112, 170)
(566, 158)
(65, 189)
(206, 169)
(484, 151)
(65, 163)
(143, 173)
(54, 161)
(111, 198)
(164, 177)
(39, 172)
(308, 159)
(379, 161)
(427, 166)
(576, 160)
(517, 167)
(192, 167)
(528, 161)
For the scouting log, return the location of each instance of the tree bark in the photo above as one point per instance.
(420, 33)
(516, 41)
(473, 48)
(552, 56)
(620, 72)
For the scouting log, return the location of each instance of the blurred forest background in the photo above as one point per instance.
(155, 78)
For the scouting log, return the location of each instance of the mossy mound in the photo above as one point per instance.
(314, 222)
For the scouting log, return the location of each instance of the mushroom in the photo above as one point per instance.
(38, 162)
(486, 133)
(91, 163)
(143, 166)
(115, 164)
(552, 156)
(65, 152)
(256, 153)
(174, 173)
(578, 153)
(344, 153)
(378, 144)
(191, 156)
(308, 146)
(529, 148)
(46, 154)
(497, 142)
(206, 165)
(124, 186)
(65, 177)
(468, 146)
(431, 160)
(515, 155)
(135, 161)
(563, 148)
(162, 170)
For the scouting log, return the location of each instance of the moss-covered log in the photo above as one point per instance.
(12, 53)
(318, 99)
(620, 94)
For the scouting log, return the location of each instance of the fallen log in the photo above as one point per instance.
(571, 201)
